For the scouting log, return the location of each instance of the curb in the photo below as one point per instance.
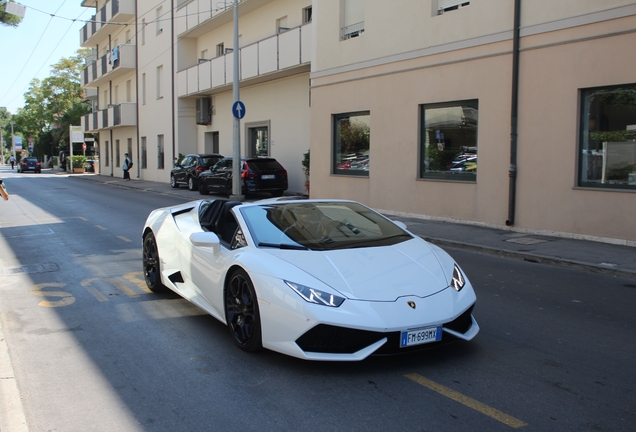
(534, 258)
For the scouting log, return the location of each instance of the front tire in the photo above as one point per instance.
(173, 182)
(152, 268)
(241, 312)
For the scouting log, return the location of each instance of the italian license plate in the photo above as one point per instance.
(268, 176)
(420, 336)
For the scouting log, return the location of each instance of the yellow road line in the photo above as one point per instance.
(467, 401)
(124, 239)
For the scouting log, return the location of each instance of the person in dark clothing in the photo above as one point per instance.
(127, 166)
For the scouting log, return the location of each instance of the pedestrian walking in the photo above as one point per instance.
(127, 166)
(3, 191)
(12, 160)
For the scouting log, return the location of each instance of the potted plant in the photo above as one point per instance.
(79, 164)
(305, 164)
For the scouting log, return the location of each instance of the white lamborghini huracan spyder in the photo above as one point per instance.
(314, 279)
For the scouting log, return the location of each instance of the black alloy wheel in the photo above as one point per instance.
(152, 269)
(192, 184)
(241, 312)
(173, 182)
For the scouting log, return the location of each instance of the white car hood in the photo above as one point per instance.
(377, 273)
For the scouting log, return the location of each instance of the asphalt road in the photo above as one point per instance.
(92, 349)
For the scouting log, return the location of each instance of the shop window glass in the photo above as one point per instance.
(608, 137)
(352, 132)
(448, 141)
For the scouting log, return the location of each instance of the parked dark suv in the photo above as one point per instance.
(29, 164)
(187, 172)
(257, 175)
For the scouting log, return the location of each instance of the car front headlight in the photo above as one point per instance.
(457, 281)
(312, 295)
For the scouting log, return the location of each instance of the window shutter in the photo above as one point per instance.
(353, 12)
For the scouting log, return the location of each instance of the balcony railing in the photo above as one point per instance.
(273, 57)
(112, 14)
(120, 115)
(199, 12)
(119, 61)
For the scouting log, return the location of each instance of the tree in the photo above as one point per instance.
(53, 104)
(8, 19)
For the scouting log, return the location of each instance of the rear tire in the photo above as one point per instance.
(151, 266)
(278, 193)
(202, 189)
(241, 312)
(173, 182)
(192, 185)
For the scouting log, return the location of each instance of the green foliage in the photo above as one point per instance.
(79, 161)
(305, 163)
(8, 19)
(53, 104)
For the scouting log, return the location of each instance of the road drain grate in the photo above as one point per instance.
(29, 269)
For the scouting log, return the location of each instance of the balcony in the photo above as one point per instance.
(275, 57)
(120, 61)
(113, 14)
(115, 116)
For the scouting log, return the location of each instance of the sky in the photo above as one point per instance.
(49, 31)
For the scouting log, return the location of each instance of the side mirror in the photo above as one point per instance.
(206, 239)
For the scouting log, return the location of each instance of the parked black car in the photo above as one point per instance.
(257, 175)
(29, 164)
(187, 172)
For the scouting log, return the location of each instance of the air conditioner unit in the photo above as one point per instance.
(204, 111)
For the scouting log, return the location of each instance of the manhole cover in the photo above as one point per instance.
(526, 240)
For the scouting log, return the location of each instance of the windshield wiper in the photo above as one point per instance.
(283, 246)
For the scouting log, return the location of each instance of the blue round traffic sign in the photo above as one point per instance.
(238, 109)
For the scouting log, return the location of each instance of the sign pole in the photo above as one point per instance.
(236, 153)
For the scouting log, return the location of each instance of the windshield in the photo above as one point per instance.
(320, 226)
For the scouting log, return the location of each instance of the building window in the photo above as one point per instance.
(204, 55)
(351, 19)
(307, 15)
(258, 140)
(160, 154)
(450, 5)
(158, 20)
(220, 49)
(448, 141)
(129, 91)
(117, 153)
(106, 153)
(144, 153)
(352, 132)
(143, 31)
(159, 82)
(608, 137)
(129, 147)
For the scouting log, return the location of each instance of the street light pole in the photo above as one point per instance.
(12, 142)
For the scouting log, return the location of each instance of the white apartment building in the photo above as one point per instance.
(489, 112)
(183, 77)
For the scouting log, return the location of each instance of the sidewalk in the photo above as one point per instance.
(535, 247)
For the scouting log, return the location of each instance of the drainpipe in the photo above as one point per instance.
(512, 173)
(137, 89)
(172, 75)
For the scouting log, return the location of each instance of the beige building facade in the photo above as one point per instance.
(412, 112)
(504, 113)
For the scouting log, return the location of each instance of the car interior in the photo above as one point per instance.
(217, 218)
